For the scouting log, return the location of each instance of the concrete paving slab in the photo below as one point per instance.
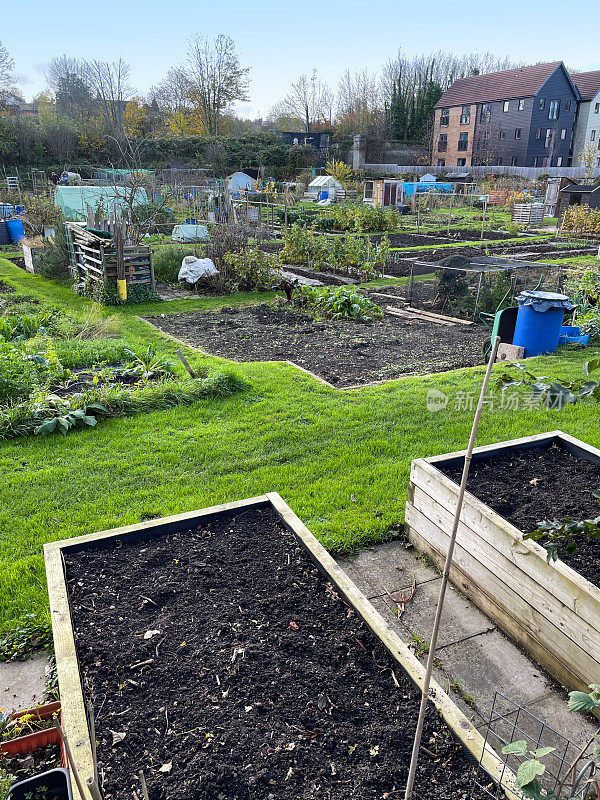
(491, 663)
(390, 566)
(460, 618)
(22, 682)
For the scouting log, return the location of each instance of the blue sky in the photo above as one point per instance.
(279, 40)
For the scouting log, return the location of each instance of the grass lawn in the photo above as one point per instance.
(340, 459)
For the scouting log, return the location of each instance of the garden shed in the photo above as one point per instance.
(383, 192)
(578, 194)
(243, 181)
(324, 183)
(74, 201)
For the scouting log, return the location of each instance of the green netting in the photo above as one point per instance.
(73, 201)
(118, 175)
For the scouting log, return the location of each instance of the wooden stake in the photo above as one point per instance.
(440, 605)
(72, 767)
(183, 360)
(92, 724)
(94, 789)
(144, 787)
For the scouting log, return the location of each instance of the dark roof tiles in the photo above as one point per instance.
(588, 84)
(520, 82)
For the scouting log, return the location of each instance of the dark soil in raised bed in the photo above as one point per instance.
(529, 486)
(343, 352)
(19, 261)
(254, 680)
(26, 765)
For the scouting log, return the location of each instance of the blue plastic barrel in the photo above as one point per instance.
(6, 210)
(19, 210)
(16, 231)
(539, 321)
(324, 195)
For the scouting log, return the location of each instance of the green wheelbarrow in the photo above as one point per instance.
(502, 323)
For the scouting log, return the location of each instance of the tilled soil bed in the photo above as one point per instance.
(343, 352)
(221, 663)
(527, 487)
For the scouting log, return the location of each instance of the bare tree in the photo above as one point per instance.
(309, 100)
(359, 98)
(71, 81)
(6, 74)
(110, 82)
(173, 93)
(217, 78)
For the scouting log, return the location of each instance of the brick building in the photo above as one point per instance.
(518, 117)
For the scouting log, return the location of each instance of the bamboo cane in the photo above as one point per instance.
(445, 574)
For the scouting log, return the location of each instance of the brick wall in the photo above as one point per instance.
(452, 132)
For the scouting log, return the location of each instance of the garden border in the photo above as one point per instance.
(549, 609)
(353, 387)
(75, 721)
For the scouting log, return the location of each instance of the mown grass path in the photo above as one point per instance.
(340, 459)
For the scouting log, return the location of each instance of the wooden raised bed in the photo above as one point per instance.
(74, 717)
(549, 609)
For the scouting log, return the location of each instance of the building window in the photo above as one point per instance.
(461, 162)
(441, 162)
(514, 161)
(463, 141)
(501, 135)
(538, 133)
(599, 162)
(548, 137)
(597, 108)
(445, 117)
(593, 136)
(563, 134)
(521, 105)
(499, 161)
(465, 115)
(486, 112)
(506, 106)
(567, 105)
(443, 143)
(542, 102)
(535, 161)
(559, 161)
(554, 109)
(517, 133)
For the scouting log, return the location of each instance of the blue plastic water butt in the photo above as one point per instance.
(16, 231)
(539, 321)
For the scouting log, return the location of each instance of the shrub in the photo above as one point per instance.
(252, 269)
(581, 219)
(167, 261)
(54, 258)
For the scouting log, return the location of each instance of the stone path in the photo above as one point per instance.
(474, 658)
(22, 682)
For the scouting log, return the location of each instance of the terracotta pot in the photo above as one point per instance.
(30, 742)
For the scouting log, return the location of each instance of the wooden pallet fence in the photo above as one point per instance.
(528, 214)
(95, 258)
(548, 609)
(75, 721)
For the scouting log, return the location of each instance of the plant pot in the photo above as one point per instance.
(56, 781)
(30, 742)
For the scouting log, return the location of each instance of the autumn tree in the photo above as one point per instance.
(217, 78)
(110, 83)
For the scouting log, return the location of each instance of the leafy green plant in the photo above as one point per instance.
(340, 302)
(54, 258)
(558, 534)
(65, 414)
(557, 393)
(27, 636)
(147, 363)
(531, 768)
(451, 288)
(20, 373)
(20, 327)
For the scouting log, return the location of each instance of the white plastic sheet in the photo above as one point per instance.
(193, 269)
